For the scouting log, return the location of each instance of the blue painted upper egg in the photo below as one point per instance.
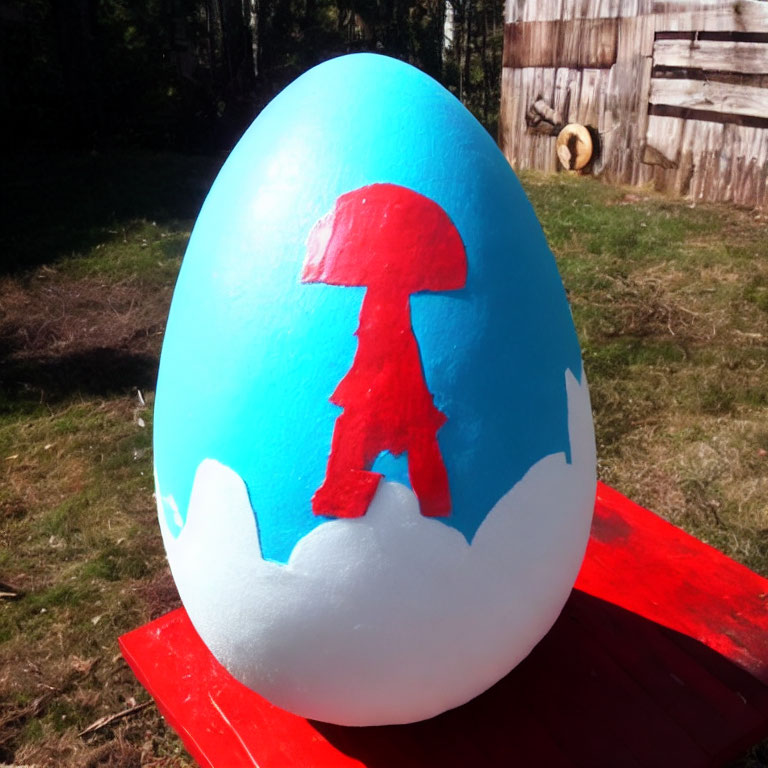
(252, 354)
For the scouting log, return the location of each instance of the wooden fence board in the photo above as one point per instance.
(578, 43)
(712, 55)
(551, 10)
(724, 98)
(663, 141)
(708, 161)
(541, 81)
(626, 104)
(509, 101)
(594, 84)
(701, 142)
(529, 44)
(740, 16)
(747, 168)
(568, 97)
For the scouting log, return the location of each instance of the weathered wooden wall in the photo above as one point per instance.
(676, 91)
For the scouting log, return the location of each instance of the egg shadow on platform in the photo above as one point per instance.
(606, 687)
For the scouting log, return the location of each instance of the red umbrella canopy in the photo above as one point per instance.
(385, 234)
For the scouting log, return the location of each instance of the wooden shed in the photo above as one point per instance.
(674, 93)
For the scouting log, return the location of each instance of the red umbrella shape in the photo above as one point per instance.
(394, 242)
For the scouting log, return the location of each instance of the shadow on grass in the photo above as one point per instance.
(96, 372)
(61, 334)
(58, 205)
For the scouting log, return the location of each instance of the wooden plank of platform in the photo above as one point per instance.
(660, 657)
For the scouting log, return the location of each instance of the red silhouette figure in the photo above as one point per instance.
(394, 242)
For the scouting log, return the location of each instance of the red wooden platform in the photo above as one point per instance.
(660, 658)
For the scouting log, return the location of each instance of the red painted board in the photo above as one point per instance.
(659, 658)
(642, 563)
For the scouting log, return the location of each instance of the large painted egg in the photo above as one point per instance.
(374, 449)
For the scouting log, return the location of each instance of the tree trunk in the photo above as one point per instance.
(458, 47)
(75, 30)
(484, 56)
(467, 51)
(249, 36)
(210, 29)
(226, 48)
(310, 9)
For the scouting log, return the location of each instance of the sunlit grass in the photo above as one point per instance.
(670, 304)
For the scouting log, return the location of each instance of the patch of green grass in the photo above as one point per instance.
(130, 451)
(33, 732)
(756, 292)
(63, 715)
(115, 562)
(582, 216)
(60, 595)
(79, 533)
(612, 358)
(33, 618)
(142, 250)
(66, 519)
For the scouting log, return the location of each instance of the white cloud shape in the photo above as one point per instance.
(391, 617)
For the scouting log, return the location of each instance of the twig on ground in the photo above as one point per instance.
(22, 714)
(107, 719)
(7, 592)
(17, 715)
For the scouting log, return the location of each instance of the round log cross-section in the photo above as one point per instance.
(574, 147)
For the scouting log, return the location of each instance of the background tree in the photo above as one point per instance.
(191, 74)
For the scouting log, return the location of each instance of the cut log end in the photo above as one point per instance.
(574, 147)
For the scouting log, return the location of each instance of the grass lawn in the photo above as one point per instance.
(671, 306)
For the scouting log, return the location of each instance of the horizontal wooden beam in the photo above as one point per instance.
(738, 16)
(707, 116)
(748, 58)
(718, 37)
(734, 78)
(563, 10)
(580, 43)
(710, 96)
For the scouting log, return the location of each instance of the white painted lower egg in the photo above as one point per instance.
(391, 617)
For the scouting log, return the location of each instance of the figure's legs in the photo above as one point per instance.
(348, 487)
(429, 478)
